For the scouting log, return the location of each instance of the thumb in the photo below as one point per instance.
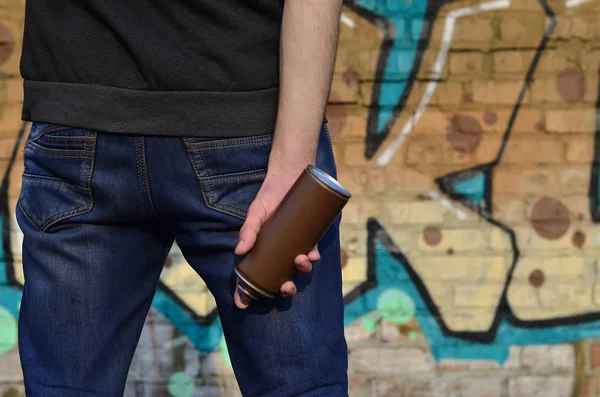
(249, 231)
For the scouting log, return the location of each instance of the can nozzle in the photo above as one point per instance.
(245, 294)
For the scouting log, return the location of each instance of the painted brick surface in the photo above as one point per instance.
(466, 131)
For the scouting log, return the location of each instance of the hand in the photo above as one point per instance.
(277, 183)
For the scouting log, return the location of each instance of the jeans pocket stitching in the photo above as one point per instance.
(238, 175)
(64, 214)
(61, 153)
(228, 142)
(206, 185)
(196, 170)
(330, 144)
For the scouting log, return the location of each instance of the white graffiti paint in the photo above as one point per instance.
(575, 3)
(432, 194)
(346, 20)
(440, 62)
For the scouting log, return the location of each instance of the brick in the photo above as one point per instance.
(10, 367)
(14, 91)
(390, 332)
(527, 119)
(433, 123)
(448, 94)
(356, 333)
(418, 389)
(406, 180)
(468, 319)
(473, 29)
(10, 121)
(425, 213)
(579, 150)
(512, 61)
(571, 121)
(527, 151)
(362, 208)
(427, 68)
(523, 295)
(546, 91)
(597, 294)
(381, 361)
(563, 357)
(376, 181)
(538, 180)
(364, 61)
(558, 59)
(575, 180)
(509, 210)
(521, 30)
(354, 154)
(488, 386)
(540, 386)
(467, 63)
(537, 357)
(585, 26)
(497, 92)
(591, 60)
(354, 179)
(563, 27)
(459, 240)
(386, 388)
(16, 4)
(12, 390)
(584, 387)
(564, 269)
(462, 267)
(514, 358)
(449, 365)
(353, 238)
(398, 212)
(434, 152)
(482, 295)
(568, 297)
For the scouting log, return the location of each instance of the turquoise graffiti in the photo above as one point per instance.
(392, 289)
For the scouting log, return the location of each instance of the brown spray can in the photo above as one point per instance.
(295, 227)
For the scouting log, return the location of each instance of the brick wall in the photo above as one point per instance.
(466, 131)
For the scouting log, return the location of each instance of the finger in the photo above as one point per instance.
(249, 231)
(241, 301)
(288, 289)
(303, 264)
(314, 255)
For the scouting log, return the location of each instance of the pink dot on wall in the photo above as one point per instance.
(571, 85)
(7, 44)
(464, 133)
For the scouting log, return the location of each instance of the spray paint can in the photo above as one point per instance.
(295, 227)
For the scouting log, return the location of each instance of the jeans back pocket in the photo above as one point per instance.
(57, 176)
(230, 170)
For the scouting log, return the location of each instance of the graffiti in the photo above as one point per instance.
(468, 134)
(496, 322)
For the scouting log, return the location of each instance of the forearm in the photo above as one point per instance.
(309, 38)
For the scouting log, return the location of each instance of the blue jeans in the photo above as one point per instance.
(99, 213)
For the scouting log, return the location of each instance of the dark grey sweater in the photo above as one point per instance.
(158, 67)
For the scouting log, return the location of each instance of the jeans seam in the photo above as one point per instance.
(229, 142)
(202, 181)
(62, 215)
(88, 164)
(238, 175)
(140, 155)
(328, 136)
(196, 171)
(59, 152)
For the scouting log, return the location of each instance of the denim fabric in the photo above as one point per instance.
(99, 213)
